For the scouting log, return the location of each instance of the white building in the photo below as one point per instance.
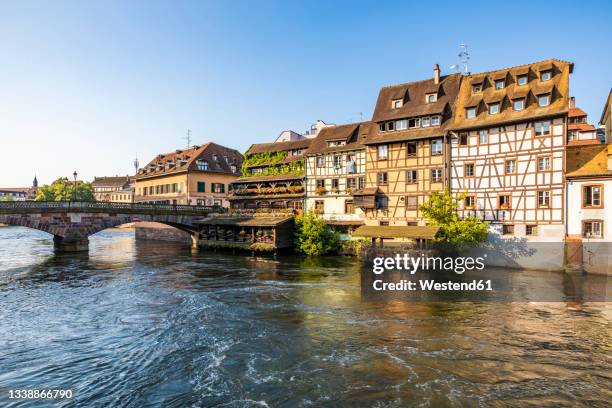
(335, 170)
(589, 204)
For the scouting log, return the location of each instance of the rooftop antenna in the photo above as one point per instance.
(136, 164)
(361, 116)
(464, 58)
(188, 138)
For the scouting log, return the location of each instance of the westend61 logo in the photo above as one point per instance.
(411, 264)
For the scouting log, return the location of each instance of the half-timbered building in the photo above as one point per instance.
(508, 148)
(335, 170)
(407, 154)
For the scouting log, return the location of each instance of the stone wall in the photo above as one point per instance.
(160, 232)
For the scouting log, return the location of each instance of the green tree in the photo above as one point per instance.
(62, 189)
(313, 236)
(441, 211)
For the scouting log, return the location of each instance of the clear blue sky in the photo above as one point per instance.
(88, 85)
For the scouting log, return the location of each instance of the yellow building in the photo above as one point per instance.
(606, 118)
(200, 175)
(407, 154)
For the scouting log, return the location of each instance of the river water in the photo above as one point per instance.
(145, 324)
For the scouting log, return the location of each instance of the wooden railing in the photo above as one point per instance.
(86, 206)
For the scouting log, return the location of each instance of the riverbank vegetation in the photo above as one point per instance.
(313, 236)
(62, 190)
(442, 211)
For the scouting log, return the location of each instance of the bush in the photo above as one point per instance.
(313, 236)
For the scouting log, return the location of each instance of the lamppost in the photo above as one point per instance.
(74, 191)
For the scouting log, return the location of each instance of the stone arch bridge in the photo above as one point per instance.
(72, 222)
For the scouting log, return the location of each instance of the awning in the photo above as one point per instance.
(412, 232)
(366, 191)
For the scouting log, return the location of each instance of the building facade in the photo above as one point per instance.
(106, 189)
(508, 148)
(200, 175)
(606, 119)
(579, 131)
(335, 169)
(407, 155)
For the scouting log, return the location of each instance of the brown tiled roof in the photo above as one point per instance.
(576, 112)
(558, 86)
(353, 134)
(366, 191)
(583, 127)
(409, 134)
(278, 147)
(185, 159)
(588, 161)
(117, 181)
(413, 95)
(414, 232)
(15, 190)
(584, 142)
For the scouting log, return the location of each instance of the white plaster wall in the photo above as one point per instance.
(576, 214)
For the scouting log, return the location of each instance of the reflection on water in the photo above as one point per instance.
(147, 324)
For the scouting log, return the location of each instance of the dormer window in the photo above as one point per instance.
(215, 158)
(477, 88)
(521, 80)
(545, 76)
(233, 168)
(425, 121)
(381, 127)
(544, 100)
(390, 125)
(397, 103)
(518, 104)
(202, 165)
(470, 113)
(494, 109)
(435, 121)
(431, 98)
(500, 84)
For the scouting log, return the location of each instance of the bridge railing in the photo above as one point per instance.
(7, 206)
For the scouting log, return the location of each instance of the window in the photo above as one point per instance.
(436, 175)
(411, 176)
(202, 165)
(470, 113)
(362, 182)
(320, 161)
(381, 127)
(463, 139)
(411, 148)
(381, 152)
(543, 163)
(201, 187)
(518, 104)
(335, 184)
(469, 170)
(543, 199)
(510, 166)
(508, 229)
(397, 103)
(531, 229)
(381, 179)
(401, 124)
(542, 128)
(521, 80)
(425, 122)
(320, 183)
(592, 229)
(469, 202)
(476, 88)
(351, 183)
(544, 100)
(218, 187)
(383, 223)
(493, 108)
(412, 202)
(545, 76)
(483, 137)
(337, 161)
(500, 84)
(319, 206)
(382, 202)
(233, 168)
(504, 202)
(349, 207)
(435, 121)
(436, 147)
(592, 196)
(390, 126)
(431, 98)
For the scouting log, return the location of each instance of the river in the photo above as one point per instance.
(147, 324)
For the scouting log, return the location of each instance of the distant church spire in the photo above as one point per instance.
(35, 182)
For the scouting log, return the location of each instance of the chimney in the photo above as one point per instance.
(436, 74)
(572, 102)
(610, 157)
